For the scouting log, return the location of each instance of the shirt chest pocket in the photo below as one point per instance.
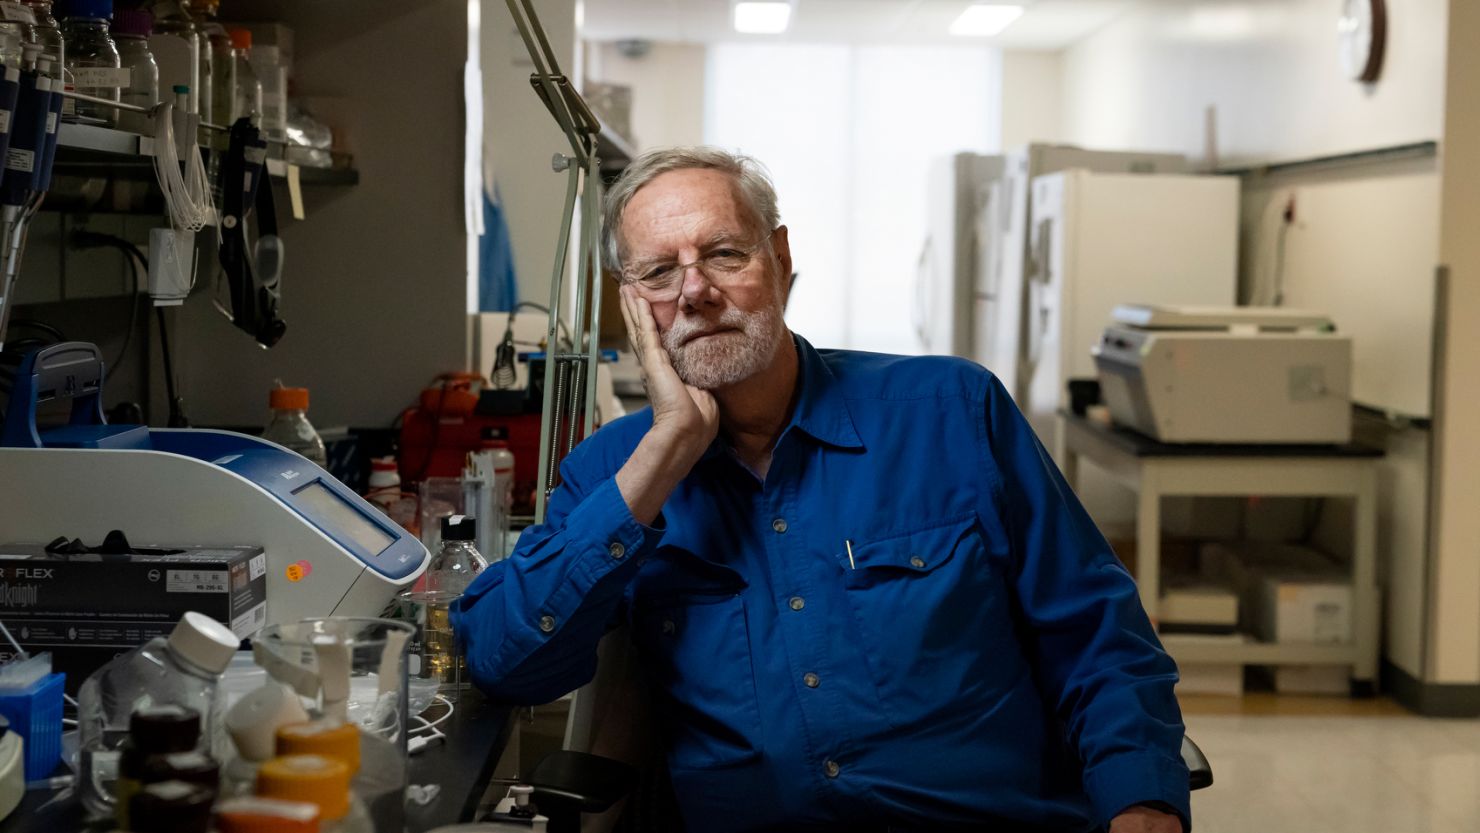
(931, 607)
(696, 648)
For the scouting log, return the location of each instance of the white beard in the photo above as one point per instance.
(723, 360)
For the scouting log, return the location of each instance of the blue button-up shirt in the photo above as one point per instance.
(909, 622)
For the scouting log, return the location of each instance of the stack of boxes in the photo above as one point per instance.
(1269, 592)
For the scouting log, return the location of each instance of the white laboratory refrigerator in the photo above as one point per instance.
(1001, 310)
(953, 259)
(1097, 240)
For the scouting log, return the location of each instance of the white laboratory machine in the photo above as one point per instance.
(1266, 375)
(957, 258)
(1099, 240)
(1003, 240)
(329, 552)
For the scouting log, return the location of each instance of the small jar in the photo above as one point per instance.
(92, 57)
(131, 28)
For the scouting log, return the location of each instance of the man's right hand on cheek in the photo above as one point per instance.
(685, 418)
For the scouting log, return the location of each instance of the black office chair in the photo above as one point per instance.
(567, 784)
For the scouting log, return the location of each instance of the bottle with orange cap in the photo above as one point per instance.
(255, 814)
(289, 426)
(319, 780)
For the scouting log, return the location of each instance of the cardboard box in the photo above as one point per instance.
(1195, 605)
(1220, 678)
(1309, 679)
(1286, 592)
(1304, 608)
(86, 609)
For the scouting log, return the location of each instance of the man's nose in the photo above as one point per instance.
(696, 289)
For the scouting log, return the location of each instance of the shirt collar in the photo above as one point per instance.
(821, 411)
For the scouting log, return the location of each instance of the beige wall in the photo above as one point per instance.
(1032, 98)
(668, 91)
(1270, 69)
(375, 280)
(520, 136)
(1455, 578)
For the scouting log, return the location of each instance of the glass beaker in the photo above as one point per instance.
(437, 663)
(440, 498)
(377, 652)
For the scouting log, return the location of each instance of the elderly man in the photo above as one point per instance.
(863, 594)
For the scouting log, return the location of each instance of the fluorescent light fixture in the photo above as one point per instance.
(984, 20)
(762, 18)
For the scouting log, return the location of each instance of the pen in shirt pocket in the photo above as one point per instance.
(848, 544)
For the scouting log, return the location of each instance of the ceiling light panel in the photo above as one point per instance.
(762, 18)
(984, 20)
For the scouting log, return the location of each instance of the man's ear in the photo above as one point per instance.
(782, 246)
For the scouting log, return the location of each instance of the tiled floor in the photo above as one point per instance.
(1328, 765)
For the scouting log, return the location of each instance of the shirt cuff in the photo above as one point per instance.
(612, 534)
(1124, 781)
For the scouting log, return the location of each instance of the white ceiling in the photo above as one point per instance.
(1047, 24)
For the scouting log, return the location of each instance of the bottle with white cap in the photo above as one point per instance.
(181, 669)
(252, 723)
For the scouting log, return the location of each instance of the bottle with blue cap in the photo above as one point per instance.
(92, 57)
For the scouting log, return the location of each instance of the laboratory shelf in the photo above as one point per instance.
(1194, 649)
(86, 148)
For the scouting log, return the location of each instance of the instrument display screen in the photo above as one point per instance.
(342, 521)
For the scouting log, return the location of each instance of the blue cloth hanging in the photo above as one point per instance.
(497, 289)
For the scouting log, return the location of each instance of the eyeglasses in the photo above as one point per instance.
(663, 283)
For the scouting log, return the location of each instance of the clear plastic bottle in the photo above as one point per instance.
(215, 61)
(246, 97)
(172, 17)
(289, 426)
(14, 33)
(131, 28)
(458, 561)
(46, 33)
(503, 497)
(181, 669)
(267, 63)
(92, 57)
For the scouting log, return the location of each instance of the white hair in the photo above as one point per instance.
(753, 189)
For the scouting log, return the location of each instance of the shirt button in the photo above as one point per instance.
(779, 524)
(831, 769)
(797, 603)
(616, 549)
(917, 561)
(547, 623)
(812, 680)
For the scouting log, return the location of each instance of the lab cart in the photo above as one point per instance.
(1155, 470)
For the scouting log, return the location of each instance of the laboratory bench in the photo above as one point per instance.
(462, 765)
(1154, 470)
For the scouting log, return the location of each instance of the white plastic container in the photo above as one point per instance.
(384, 486)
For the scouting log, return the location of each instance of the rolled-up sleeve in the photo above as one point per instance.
(530, 623)
(1089, 638)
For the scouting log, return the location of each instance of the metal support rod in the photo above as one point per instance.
(568, 387)
(593, 243)
(576, 387)
(547, 69)
(552, 344)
